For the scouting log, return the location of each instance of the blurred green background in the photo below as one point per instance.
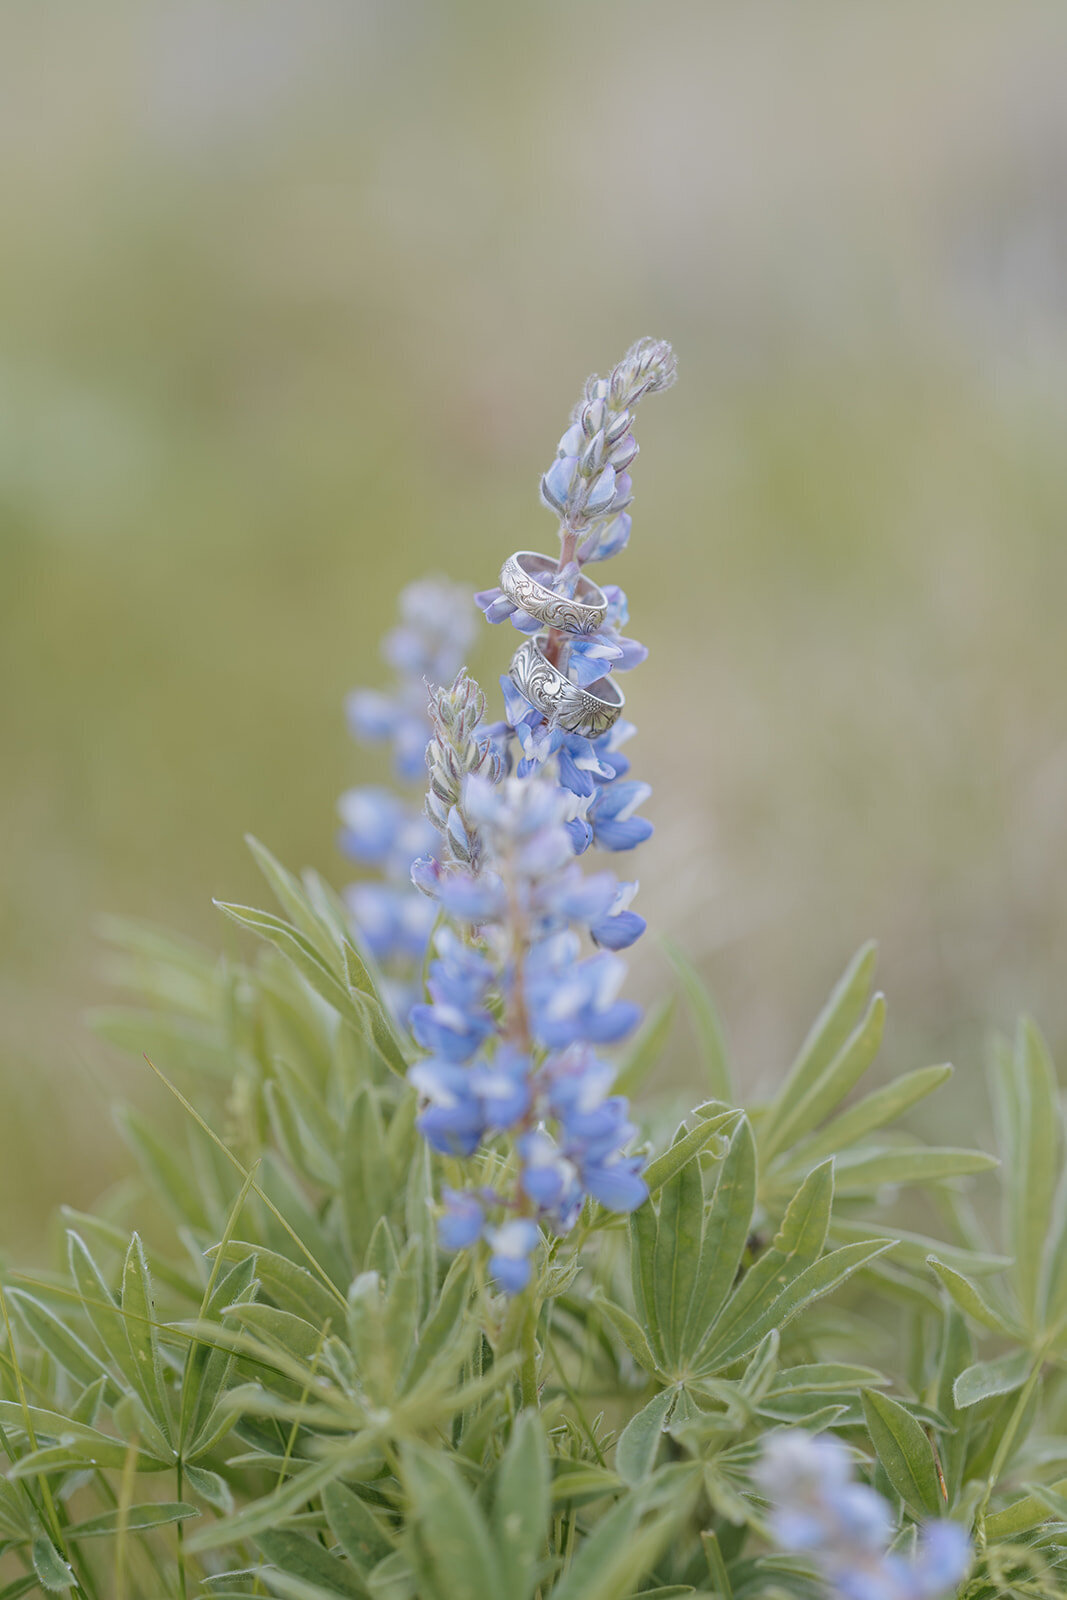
(294, 301)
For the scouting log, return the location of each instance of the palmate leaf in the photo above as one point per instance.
(639, 1442)
(1030, 1130)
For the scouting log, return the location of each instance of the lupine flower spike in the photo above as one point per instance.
(845, 1527)
(516, 1015)
(384, 830)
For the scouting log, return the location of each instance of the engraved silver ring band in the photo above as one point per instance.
(525, 577)
(589, 712)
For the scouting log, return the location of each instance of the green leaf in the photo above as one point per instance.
(582, 1484)
(630, 1332)
(366, 1181)
(452, 1552)
(55, 1573)
(676, 1254)
(873, 1111)
(277, 1507)
(355, 1527)
(305, 1558)
(820, 1377)
(618, 1553)
(798, 1244)
(860, 1173)
(690, 1144)
(647, 1048)
(970, 1299)
(988, 1378)
(138, 1312)
(726, 1231)
(807, 1109)
(153, 1514)
(1021, 1516)
(293, 900)
(167, 1168)
(299, 950)
(210, 1486)
(54, 1336)
(812, 1284)
(905, 1453)
(521, 1506)
(711, 1042)
(292, 1286)
(297, 1338)
(635, 1453)
(1032, 1171)
(831, 1028)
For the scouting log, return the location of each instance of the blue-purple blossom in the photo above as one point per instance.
(845, 1528)
(381, 829)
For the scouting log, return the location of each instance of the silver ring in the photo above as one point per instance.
(589, 712)
(523, 579)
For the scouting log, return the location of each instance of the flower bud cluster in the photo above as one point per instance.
(845, 1527)
(589, 484)
(384, 830)
(458, 748)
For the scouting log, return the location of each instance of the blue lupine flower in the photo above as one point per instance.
(845, 1527)
(379, 828)
(510, 1248)
(463, 1219)
(571, 1001)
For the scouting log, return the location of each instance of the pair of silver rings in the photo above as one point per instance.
(589, 712)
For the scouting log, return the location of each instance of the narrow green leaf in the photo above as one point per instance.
(807, 1109)
(139, 1312)
(861, 1173)
(819, 1377)
(646, 1049)
(291, 896)
(726, 1231)
(367, 1183)
(905, 1453)
(355, 1527)
(167, 1168)
(1033, 1171)
(970, 1299)
(630, 1332)
(720, 1578)
(873, 1111)
(617, 1554)
(711, 1041)
(691, 1143)
(305, 1559)
(1021, 1516)
(820, 1279)
(676, 1256)
(293, 1287)
(521, 1506)
(988, 1378)
(797, 1245)
(639, 1442)
(135, 1519)
(53, 1335)
(55, 1573)
(583, 1484)
(291, 1334)
(299, 950)
(829, 1032)
(452, 1552)
(276, 1508)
